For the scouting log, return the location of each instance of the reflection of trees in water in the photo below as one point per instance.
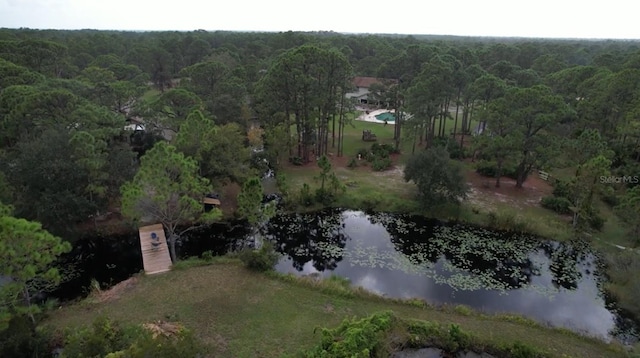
(316, 237)
(219, 238)
(499, 259)
(564, 259)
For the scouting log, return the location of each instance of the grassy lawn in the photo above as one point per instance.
(364, 189)
(353, 135)
(244, 314)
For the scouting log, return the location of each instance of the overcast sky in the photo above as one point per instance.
(539, 18)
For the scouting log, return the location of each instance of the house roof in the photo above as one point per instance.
(366, 82)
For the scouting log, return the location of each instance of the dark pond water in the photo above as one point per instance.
(402, 257)
(410, 257)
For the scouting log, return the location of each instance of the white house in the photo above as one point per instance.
(362, 85)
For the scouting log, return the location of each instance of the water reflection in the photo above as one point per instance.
(315, 239)
(409, 257)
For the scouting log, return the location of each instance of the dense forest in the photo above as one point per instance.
(96, 121)
(66, 97)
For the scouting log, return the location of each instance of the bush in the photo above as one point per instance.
(453, 147)
(207, 255)
(263, 259)
(558, 204)
(363, 153)
(324, 196)
(103, 337)
(21, 340)
(561, 189)
(109, 339)
(383, 333)
(353, 162)
(507, 221)
(381, 164)
(283, 184)
(306, 198)
(596, 222)
(382, 150)
(610, 198)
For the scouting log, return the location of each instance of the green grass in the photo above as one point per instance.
(353, 135)
(364, 189)
(240, 313)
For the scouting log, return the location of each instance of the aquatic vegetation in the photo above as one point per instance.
(461, 256)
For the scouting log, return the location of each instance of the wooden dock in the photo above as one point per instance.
(155, 252)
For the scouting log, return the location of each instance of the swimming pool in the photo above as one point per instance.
(387, 116)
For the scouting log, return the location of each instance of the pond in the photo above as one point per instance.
(410, 257)
(402, 257)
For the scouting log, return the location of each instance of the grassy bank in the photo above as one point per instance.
(239, 313)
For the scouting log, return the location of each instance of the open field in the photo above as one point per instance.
(239, 313)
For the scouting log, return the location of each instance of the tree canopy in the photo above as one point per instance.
(167, 189)
(27, 253)
(438, 178)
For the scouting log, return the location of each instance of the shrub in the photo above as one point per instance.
(263, 259)
(490, 169)
(507, 221)
(184, 344)
(324, 196)
(381, 164)
(207, 255)
(353, 162)
(296, 160)
(610, 198)
(111, 340)
(306, 198)
(558, 204)
(103, 337)
(596, 222)
(21, 340)
(354, 338)
(453, 147)
(382, 150)
(363, 153)
(383, 333)
(561, 189)
(283, 184)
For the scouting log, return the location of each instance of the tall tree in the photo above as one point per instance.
(251, 208)
(629, 211)
(27, 253)
(308, 84)
(500, 141)
(221, 151)
(222, 91)
(534, 110)
(168, 189)
(585, 186)
(439, 179)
